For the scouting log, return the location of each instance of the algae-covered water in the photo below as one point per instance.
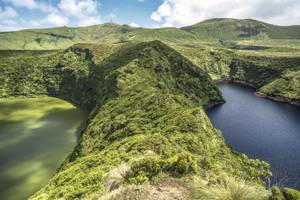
(36, 135)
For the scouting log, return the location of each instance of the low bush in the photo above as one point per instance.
(229, 189)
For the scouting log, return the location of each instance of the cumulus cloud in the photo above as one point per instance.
(183, 12)
(78, 7)
(30, 4)
(57, 20)
(7, 13)
(163, 11)
(84, 10)
(65, 12)
(8, 17)
(132, 24)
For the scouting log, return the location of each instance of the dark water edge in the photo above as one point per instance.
(262, 129)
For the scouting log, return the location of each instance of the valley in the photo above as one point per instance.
(146, 91)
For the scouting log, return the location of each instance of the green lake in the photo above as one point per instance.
(36, 135)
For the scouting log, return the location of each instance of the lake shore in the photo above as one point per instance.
(257, 92)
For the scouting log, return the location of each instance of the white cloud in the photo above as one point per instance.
(57, 19)
(164, 10)
(183, 12)
(8, 22)
(132, 24)
(156, 17)
(7, 13)
(8, 17)
(65, 12)
(30, 4)
(78, 7)
(84, 10)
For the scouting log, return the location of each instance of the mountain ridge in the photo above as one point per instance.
(147, 90)
(207, 30)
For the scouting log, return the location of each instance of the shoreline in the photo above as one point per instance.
(258, 93)
(213, 104)
(279, 99)
(16, 98)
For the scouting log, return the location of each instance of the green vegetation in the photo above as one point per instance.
(234, 29)
(229, 189)
(146, 99)
(286, 88)
(147, 124)
(286, 194)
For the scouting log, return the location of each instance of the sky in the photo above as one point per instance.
(23, 14)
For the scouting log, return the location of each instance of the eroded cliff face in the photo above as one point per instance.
(274, 77)
(63, 74)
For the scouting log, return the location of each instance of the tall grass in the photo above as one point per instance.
(116, 177)
(229, 189)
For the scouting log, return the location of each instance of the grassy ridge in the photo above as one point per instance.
(62, 37)
(147, 122)
(147, 116)
(150, 120)
(234, 29)
(209, 31)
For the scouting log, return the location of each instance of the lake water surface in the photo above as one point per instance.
(262, 129)
(35, 136)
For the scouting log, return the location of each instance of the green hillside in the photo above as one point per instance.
(62, 37)
(207, 31)
(234, 29)
(146, 121)
(147, 136)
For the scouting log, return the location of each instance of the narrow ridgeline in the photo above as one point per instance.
(147, 135)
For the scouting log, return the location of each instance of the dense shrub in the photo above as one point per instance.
(291, 194)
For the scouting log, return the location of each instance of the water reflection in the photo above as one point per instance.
(35, 136)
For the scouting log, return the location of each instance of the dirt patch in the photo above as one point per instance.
(166, 189)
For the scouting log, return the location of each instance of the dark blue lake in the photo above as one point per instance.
(262, 129)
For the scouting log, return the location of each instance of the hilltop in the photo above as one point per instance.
(235, 29)
(146, 125)
(207, 31)
(147, 135)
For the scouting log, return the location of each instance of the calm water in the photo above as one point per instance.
(262, 129)
(35, 137)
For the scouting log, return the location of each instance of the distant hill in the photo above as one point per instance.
(61, 37)
(64, 37)
(147, 118)
(235, 29)
(205, 31)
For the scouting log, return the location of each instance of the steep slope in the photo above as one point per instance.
(235, 29)
(286, 88)
(273, 77)
(147, 121)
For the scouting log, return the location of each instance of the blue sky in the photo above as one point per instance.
(21, 14)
